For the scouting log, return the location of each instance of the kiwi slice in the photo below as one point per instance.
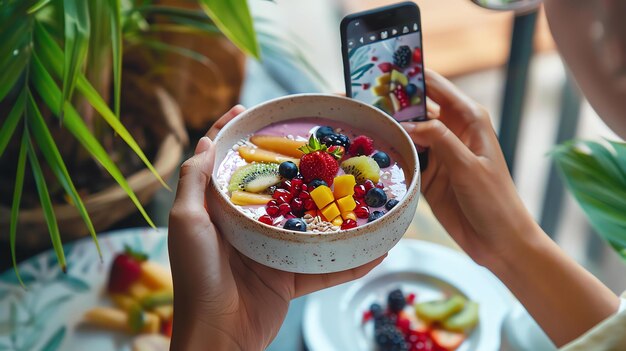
(464, 320)
(435, 311)
(254, 177)
(362, 168)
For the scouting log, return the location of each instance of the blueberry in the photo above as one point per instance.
(396, 301)
(375, 197)
(411, 89)
(377, 311)
(324, 131)
(315, 183)
(288, 170)
(296, 224)
(391, 204)
(382, 159)
(375, 215)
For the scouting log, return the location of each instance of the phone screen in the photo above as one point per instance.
(383, 61)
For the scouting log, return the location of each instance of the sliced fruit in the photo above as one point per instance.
(464, 320)
(348, 215)
(252, 154)
(402, 96)
(384, 103)
(416, 100)
(447, 340)
(155, 299)
(400, 78)
(254, 177)
(153, 342)
(383, 79)
(136, 318)
(338, 221)
(281, 145)
(322, 196)
(385, 67)
(344, 186)
(436, 311)
(362, 168)
(156, 276)
(244, 198)
(123, 302)
(381, 90)
(138, 290)
(346, 204)
(164, 312)
(116, 319)
(395, 103)
(331, 211)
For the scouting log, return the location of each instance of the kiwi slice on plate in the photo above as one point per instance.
(439, 310)
(362, 168)
(464, 320)
(254, 177)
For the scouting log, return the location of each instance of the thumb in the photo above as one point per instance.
(195, 174)
(444, 145)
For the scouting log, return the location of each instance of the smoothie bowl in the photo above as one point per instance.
(313, 183)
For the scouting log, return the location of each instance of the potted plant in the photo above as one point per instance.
(68, 119)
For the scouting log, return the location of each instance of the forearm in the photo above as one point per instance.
(562, 297)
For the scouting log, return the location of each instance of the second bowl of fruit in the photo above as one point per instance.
(313, 183)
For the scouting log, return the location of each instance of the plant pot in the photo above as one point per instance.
(204, 90)
(111, 204)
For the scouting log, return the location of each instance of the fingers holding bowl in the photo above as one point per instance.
(227, 117)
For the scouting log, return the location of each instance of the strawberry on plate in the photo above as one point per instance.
(318, 163)
(446, 339)
(126, 270)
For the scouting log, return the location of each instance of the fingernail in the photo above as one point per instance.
(203, 145)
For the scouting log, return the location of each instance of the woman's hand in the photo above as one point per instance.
(468, 187)
(467, 182)
(222, 299)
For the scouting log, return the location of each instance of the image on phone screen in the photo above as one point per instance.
(386, 68)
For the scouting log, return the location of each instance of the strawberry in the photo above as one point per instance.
(447, 340)
(126, 270)
(402, 96)
(385, 67)
(318, 163)
(417, 55)
(166, 328)
(361, 145)
(337, 151)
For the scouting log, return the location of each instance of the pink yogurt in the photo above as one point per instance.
(392, 177)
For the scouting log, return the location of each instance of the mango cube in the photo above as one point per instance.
(331, 212)
(322, 195)
(346, 204)
(337, 221)
(348, 215)
(344, 186)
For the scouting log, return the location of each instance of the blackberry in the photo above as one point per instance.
(396, 301)
(336, 140)
(389, 338)
(402, 56)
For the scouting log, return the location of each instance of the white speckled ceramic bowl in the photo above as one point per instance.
(312, 252)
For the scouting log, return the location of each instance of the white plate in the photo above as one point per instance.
(332, 317)
(46, 316)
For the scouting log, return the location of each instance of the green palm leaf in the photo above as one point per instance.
(46, 203)
(17, 197)
(76, 44)
(51, 95)
(234, 20)
(116, 47)
(9, 125)
(36, 7)
(596, 175)
(54, 159)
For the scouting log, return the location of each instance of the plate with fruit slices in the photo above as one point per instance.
(122, 303)
(422, 297)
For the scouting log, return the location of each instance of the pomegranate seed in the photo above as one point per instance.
(304, 187)
(304, 195)
(272, 203)
(297, 184)
(285, 199)
(368, 185)
(280, 192)
(290, 215)
(297, 205)
(272, 211)
(284, 209)
(367, 315)
(380, 185)
(286, 184)
(374, 58)
(266, 219)
(362, 212)
(358, 202)
(410, 298)
(309, 204)
(359, 191)
(348, 224)
(366, 86)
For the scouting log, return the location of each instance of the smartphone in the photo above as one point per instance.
(384, 63)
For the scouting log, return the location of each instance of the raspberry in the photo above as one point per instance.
(361, 145)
